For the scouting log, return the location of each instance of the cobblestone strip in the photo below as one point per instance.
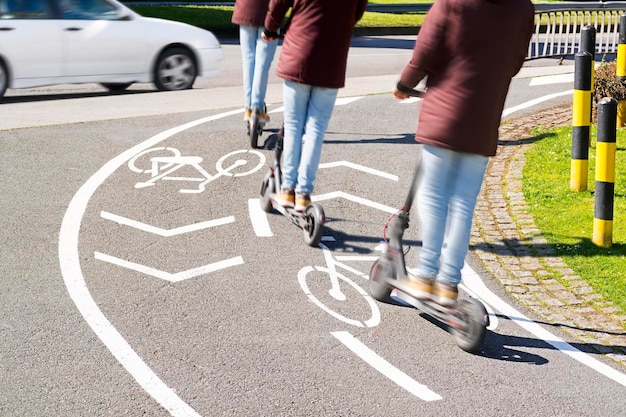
(512, 248)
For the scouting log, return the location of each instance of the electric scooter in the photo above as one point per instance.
(467, 321)
(311, 220)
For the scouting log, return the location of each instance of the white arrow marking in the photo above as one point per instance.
(359, 200)
(359, 168)
(177, 277)
(340, 101)
(166, 232)
(381, 365)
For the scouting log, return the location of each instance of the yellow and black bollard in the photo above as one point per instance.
(581, 121)
(605, 173)
(588, 44)
(620, 65)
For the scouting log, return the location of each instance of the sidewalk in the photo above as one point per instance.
(515, 252)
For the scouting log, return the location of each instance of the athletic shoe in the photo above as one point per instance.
(263, 117)
(247, 114)
(285, 198)
(420, 287)
(302, 202)
(445, 294)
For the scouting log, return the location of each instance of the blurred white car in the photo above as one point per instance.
(46, 42)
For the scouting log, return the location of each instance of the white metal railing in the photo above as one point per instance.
(558, 32)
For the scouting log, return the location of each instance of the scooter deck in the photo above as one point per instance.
(444, 314)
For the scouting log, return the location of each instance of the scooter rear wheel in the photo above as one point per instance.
(314, 224)
(470, 336)
(379, 290)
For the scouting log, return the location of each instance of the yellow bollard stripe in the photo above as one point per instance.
(620, 69)
(605, 161)
(579, 174)
(581, 108)
(603, 233)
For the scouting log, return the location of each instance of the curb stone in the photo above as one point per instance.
(512, 248)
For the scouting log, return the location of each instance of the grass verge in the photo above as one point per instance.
(565, 217)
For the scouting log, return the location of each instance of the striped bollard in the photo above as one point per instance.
(581, 122)
(588, 44)
(605, 173)
(620, 65)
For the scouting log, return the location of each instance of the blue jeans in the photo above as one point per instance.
(446, 199)
(307, 113)
(257, 56)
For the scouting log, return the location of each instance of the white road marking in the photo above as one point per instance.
(359, 168)
(166, 232)
(381, 365)
(552, 79)
(258, 218)
(350, 197)
(473, 280)
(177, 277)
(69, 261)
(534, 102)
(340, 101)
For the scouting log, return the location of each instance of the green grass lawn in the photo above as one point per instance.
(565, 217)
(218, 17)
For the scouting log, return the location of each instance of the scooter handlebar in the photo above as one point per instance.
(409, 91)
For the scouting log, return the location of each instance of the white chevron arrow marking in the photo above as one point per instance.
(177, 277)
(166, 232)
(359, 168)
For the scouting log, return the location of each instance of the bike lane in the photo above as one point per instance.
(182, 193)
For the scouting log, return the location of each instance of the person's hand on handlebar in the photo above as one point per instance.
(402, 92)
(268, 36)
(399, 94)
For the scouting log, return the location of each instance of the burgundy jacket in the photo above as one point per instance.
(470, 50)
(315, 48)
(250, 12)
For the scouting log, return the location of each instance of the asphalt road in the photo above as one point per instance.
(139, 286)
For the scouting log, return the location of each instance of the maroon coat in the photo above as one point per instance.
(470, 50)
(315, 48)
(250, 12)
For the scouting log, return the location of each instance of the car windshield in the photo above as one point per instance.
(63, 9)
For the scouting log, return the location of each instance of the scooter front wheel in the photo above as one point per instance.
(267, 188)
(255, 130)
(380, 290)
(314, 224)
(473, 318)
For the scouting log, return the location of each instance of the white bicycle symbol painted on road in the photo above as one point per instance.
(308, 273)
(162, 162)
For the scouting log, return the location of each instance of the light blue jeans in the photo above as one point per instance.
(446, 199)
(257, 56)
(307, 113)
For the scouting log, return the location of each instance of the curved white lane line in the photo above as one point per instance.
(75, 281)
(534, 102)
(473, 280)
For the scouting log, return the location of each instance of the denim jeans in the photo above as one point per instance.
(257, 56)
(446, 199)
(307, 113)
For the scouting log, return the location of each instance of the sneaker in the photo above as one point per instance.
(445, 294)
(247, 114)
(302, 202)
(420, 287)
(263, 117)
(285, 198)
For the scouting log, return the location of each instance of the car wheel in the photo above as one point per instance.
(175, 70)
(116, 86)
(4, 79)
